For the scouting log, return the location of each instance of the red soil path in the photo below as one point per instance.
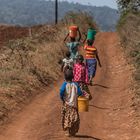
(110, 115)
(11, 32)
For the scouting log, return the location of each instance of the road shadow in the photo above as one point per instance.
(101, 86)
(86, 137)
(98, 107)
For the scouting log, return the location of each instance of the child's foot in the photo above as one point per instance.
(90, 97)
(73, 135)
(91, 83)
(67, 133)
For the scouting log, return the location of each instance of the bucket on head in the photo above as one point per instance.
(73, 31)
(91, 34)
(83, 104)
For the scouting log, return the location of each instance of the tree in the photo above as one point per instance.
(129, 5)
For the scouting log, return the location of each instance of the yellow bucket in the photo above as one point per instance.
(83, 104)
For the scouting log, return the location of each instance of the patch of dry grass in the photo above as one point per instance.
(26, 65)
(129, 30)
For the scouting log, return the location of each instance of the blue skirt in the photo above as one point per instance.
(91, 66)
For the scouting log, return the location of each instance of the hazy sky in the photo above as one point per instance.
(110, 3)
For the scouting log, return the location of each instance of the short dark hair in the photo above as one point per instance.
(68, 54)
(68, 75)
(80, 57)
(90, 42)
(72, 39)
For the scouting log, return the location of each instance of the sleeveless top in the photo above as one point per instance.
(73, 48)
(90, 52)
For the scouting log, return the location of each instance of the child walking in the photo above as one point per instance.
(73, 45)
(67, 62)
(81, 76)
(69, 93)
(91, 59)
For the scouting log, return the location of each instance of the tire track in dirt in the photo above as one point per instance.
(110, 116)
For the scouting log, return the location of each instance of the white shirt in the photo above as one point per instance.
(71, 94)
(68, 62)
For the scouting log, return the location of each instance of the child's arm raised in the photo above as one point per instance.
(79, 35)
(66, 38)
(84, 38)
(62, 66)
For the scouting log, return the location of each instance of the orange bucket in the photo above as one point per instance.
(73, 31)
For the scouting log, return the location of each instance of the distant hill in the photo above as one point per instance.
(33, 12)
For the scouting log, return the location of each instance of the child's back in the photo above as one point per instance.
(69, 93)
(73, 48)
(80, 70)
(67, 62)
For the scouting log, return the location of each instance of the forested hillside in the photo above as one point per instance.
(33, 12)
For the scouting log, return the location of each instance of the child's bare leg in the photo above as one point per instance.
(90, 80)
(67, 132)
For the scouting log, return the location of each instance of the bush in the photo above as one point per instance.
(81, 19)
(129, 31)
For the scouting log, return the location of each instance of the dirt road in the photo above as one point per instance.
(110, 116)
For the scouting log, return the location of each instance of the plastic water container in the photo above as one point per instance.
(83, 104)
(91, 34)
(73, 31)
